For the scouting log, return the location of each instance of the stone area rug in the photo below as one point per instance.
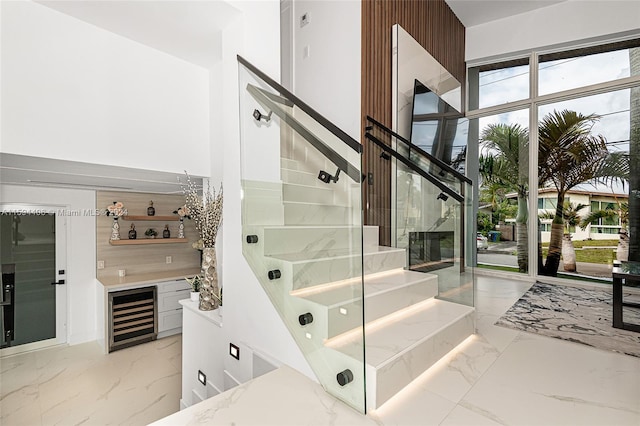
(576, 314)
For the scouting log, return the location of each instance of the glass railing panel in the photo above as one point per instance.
(431, 211)
(302, 228)
(450, 174)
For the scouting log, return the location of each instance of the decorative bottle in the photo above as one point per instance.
(151, 211)
(166, 233)
(133, 234)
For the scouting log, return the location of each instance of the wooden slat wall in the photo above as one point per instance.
(438, 30)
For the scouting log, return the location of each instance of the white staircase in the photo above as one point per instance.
(302, 241)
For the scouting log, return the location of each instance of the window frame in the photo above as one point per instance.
(532, 103)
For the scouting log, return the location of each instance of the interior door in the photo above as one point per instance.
(33, 260)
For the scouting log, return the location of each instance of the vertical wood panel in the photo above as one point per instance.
(438, 30)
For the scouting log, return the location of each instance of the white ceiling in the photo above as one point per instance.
(476, 12)
(190, 30)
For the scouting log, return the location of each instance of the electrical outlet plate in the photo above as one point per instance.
(100, 264)
(168, 259)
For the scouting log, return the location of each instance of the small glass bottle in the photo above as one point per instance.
(133, 234)
(166, 233)
(151, 211)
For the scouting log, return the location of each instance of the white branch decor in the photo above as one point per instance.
(205, 210)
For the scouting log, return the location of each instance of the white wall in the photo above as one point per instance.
(567, 22)
(329, 79)
(73, 91)
(81, 247)
(250, 321)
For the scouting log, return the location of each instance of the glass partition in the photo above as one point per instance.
(432, 204)
(302, 228)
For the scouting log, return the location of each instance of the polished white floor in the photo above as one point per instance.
(498, 376)
(75, 385)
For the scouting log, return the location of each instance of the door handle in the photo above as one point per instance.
(59, 282)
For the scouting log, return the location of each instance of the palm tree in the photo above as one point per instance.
(569, 155)
(622, 213)
(571, 218)
(509, 168)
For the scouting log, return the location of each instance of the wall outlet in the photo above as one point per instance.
(168, 259)
(100, 264)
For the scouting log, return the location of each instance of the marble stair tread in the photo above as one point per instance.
(279, 239)
(306, 193)
(340, 253)
(299, 213)
(388, 341)
(375, 285)
(300, 177)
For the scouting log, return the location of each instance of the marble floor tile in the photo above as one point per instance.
(461, 416)
(17, 407)
(498, 376)
(454, 375)
(496, 336)
(82, 385)
(17, 371)
(540, 380)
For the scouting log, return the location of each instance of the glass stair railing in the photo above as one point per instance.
(365, 321)
(431, 212)
(302, 227)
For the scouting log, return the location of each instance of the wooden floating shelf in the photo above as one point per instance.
(148, 241)
(153, 218)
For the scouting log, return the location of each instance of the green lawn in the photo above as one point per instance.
(591, 255)
(591, 243)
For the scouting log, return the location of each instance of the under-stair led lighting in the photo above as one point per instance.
(356, 334)
(308, 336)
(420, 383)
(341, 283)
(343, 311)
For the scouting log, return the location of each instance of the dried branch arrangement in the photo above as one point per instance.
(205, 210)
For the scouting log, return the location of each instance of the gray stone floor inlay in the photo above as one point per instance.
(575, 314)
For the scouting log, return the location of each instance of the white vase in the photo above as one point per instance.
(195, 296)
(115, 230)
(181, 229)
(209, 284)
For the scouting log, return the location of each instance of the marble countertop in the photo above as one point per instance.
(111, 283)
(212, 316)
(281, 397)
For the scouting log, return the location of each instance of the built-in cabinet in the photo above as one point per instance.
(202, 354)
(167, 310)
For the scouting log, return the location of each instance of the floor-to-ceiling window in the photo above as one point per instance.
(559, 135)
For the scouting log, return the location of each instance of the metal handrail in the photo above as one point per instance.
(410, 164)
(420, 151)
(270, 102)
(303, 106)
